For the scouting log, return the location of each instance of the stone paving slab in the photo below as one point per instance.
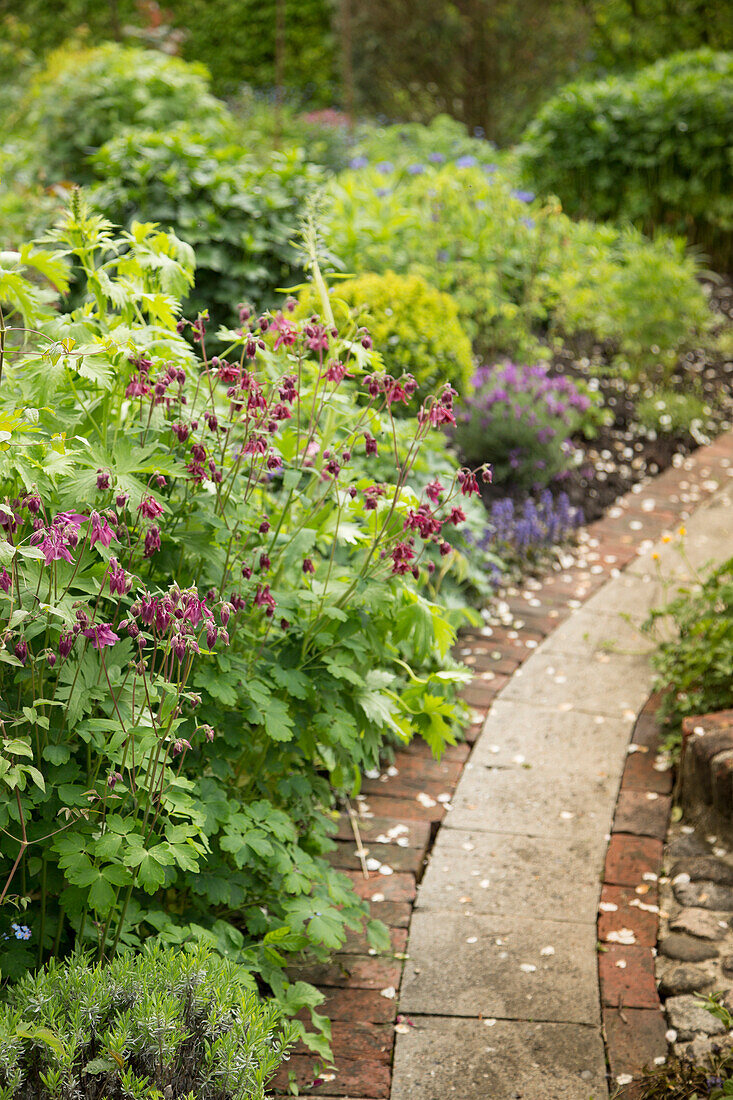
(457, 967)
(513, 730)
(444, 1057)
(608, 684)
(495, 873)
(589, 633)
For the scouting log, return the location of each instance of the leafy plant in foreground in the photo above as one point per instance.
(159, 1024)
(212, 620)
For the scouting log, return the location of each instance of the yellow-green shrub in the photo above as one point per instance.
(415, 326)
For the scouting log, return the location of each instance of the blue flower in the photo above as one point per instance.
(358, 162)
(529, 222)
(385, 167)
(381, 192)
(416, 169)
(524, 196)
(436, 158)
(466, 162)
(490, 168)
(21, 931)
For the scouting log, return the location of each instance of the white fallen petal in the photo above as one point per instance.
(546, 951)
(385, 869)
(608, 907)
(390, 992)
(527, 968)
(373, 864)
(670, 1035)
(425, 800)
(472, 939)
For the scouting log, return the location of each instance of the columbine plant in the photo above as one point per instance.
(212, 617)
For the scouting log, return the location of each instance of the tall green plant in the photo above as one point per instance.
(211, 615)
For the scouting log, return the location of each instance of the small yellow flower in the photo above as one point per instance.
(655, 556)
(666, 538)
(682, 532)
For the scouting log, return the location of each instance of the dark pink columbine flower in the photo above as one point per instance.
(113, 779)
(100, 530)
(33, 503)
(51, 659)
(422, 520)
(445, 548)
(121, 500)
(456, 516)
(178, 645)
(308, 566)
(433, 490)
(102, 480)
(181, 431)
(208, 732)
(179, 745)
(264, 598)
(66, 644)
(195, 609)
(118, 580)
(150, 508)
(152, 541)
(467, 482)
(487, 474)
(225, 612)
(6, 581)
(137, 387)
(370, 444)
(287, 389)
(101, 635)
(287, 333)
(212, 634)
(21, 650)
(316, 337)
(402, 554)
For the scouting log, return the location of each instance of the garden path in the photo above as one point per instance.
(501, 981)
(526, 806)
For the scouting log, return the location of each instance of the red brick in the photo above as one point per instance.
(452, 754)
(634, 985)
(408, 786)
(357, 1040)
(397, 887)
(629, 857)
(640, 815)
(641, 775)
(418, 832)
(357, 971)
(402, 809)
(357, 943)
(634, 1038)
(413, 766)
(647, 732)
(358, 1005)
(395, 914)
(351, 1078)
(481, 693)
(398, 858)
(643, 923)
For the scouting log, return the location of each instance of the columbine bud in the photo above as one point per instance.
(51, 659)
(225, 613)
(122, 499)
(208, 733)
(308, 566)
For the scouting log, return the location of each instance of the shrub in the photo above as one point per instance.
(522, 417)
(84, 97)
(158, 1023)
(524, 276)
(654, 148)
(230, 615)
(416, 326)
(668, 412)
(240, 214)
(413, 145)
(696, 665)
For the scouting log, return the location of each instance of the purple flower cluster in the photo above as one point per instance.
(524, 528)
(508, 383)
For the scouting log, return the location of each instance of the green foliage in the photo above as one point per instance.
(524, 276)
(696, 664)
(154, 1024)
(686, 1078)
(175, 776)
(419, 144)
(654, 148)
(84, 97)
(238, 212)
(669, 412)
(416, 326)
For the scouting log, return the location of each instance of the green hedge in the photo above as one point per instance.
(655, 148)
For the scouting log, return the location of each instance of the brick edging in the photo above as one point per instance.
(632, 1016)
(399, 811)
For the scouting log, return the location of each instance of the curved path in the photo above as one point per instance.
(501, 980)
(499, 996)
